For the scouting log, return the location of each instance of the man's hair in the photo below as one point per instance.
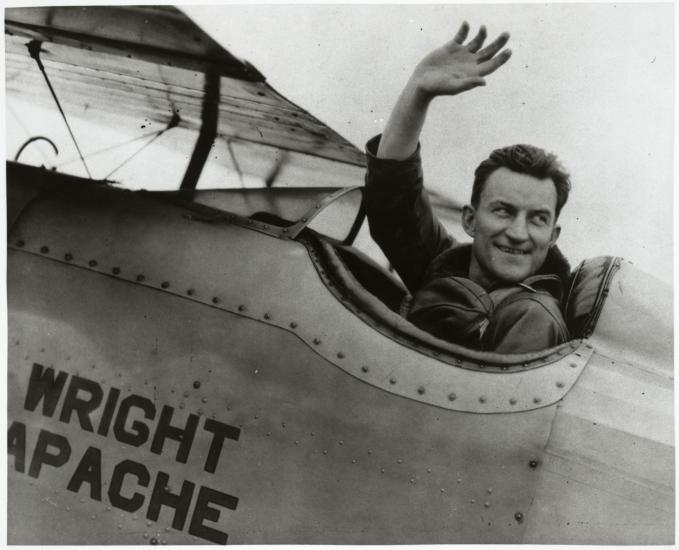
(524, 159)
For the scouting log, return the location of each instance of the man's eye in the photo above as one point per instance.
(501, 211)
(541, 219)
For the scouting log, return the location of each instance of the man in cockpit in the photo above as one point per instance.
(503, 291)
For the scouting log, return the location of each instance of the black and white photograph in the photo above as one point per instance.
(340, 274)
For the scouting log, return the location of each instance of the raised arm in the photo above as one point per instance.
(448, 70)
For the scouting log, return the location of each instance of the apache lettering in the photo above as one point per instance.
(54, 451)
(133, 420)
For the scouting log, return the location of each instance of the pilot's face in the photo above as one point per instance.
(513, 227)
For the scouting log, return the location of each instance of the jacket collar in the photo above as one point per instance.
(455, 262)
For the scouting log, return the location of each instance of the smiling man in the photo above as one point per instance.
(502, 292)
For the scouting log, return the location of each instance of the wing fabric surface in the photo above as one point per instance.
(131, 69)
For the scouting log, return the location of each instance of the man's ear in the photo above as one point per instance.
(469, 220)
(555, 235)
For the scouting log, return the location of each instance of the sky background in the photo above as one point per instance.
(593, 83)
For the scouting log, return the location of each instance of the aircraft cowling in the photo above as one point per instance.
(172, 380)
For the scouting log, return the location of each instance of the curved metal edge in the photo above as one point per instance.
(601, 296)
(429, 382)
(305, 220)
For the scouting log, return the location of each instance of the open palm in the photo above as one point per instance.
(456, 67)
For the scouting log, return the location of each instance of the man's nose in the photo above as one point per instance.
(518, 229)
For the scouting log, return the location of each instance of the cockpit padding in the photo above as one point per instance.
(587, 292)
(367, 289)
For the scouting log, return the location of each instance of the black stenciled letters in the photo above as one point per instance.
(166, 431)
(140, 433)
(43, 385)
(83, 407)
(203, 511)
(88, 471)
(133, 503)
(220, 431)
(16, 445)
(41, 456)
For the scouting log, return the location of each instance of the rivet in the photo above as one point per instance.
(154, 540)
(282, 424)
(146, 535)
(181, 405)
(486, 504)
(364, 368)
(340, 355)
(116, 270)
(421, 390)
(313, 434)
(525, 364)
(381, 470)
(21, 244)
(267, 316)
(537, 400)
(459, 480)
(148, 523)
(140, 278)
(268, 434)
(190, 292)
(266, 226)
(296, 442)
(204, 400)
(163, 541)
(303, 220)
(504, 367)
(429, 470)
(44, 249)
(68, 257)
(482, 399)
(353, 461)
(325, 452)
(559, 384)
(340, 442)
(92, 263)
(512, 401)
(392, 381)
(370, 452)
(412, 480)
(443, 490)
(317, 341)
(285, 230)
(473, 500)
(399, 461)
(241, 308)
(518, 517)
(164, 284)
(533, 464)
(452, 397)
(293, 325)
(490, 490)
(215, 300)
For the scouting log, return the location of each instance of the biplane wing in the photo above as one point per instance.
(144, 69)
(222, 365)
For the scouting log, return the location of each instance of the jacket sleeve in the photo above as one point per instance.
(400, 215)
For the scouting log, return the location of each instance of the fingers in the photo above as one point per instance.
(469, 83)
(491, 49)
(476, 43)
(462, 33)
(496, 62)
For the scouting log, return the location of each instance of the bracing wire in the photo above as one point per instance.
(34, 51)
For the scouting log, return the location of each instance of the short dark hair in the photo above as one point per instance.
(524, 159)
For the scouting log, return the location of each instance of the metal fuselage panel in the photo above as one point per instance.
(122, 394)
(188, 382)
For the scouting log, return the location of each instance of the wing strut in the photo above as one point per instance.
(34, 51)
(208, 131)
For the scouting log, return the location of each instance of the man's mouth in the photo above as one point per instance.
(510, 250)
